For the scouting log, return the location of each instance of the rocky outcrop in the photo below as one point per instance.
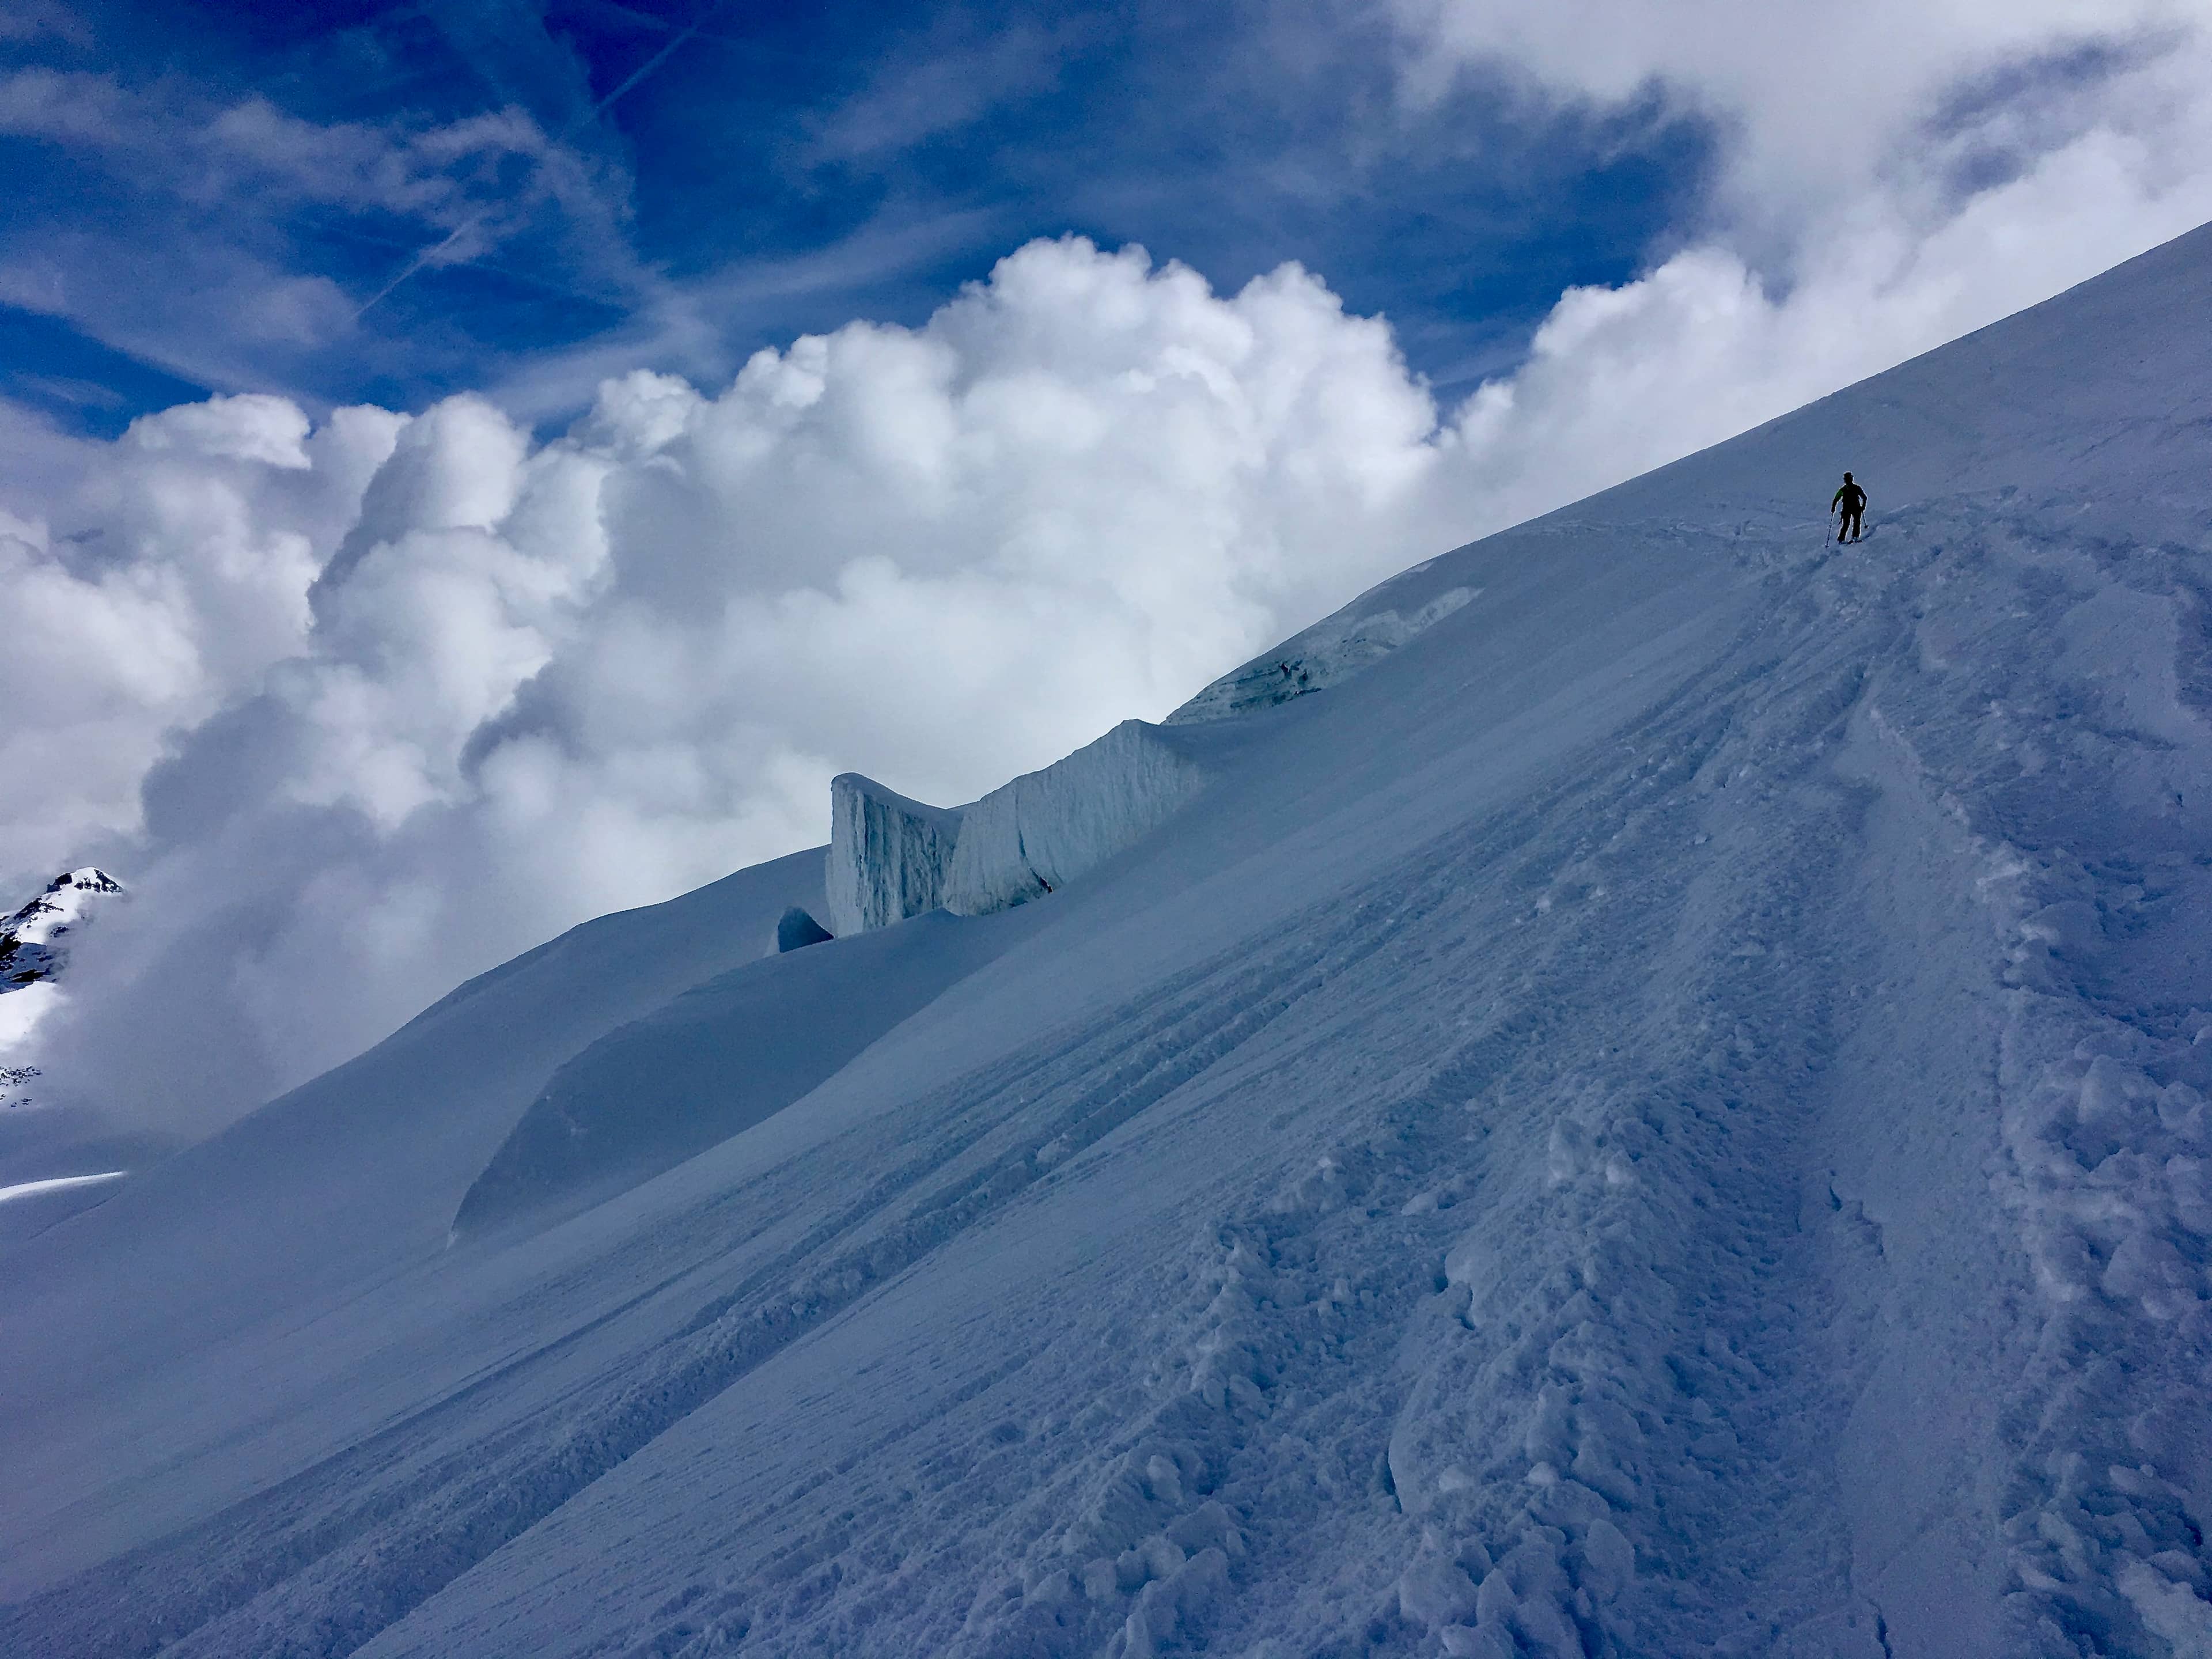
(31, 948)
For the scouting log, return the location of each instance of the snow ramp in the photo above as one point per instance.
(723, 1056)
(1666, 1115)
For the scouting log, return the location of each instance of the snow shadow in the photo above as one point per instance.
(721, 1058)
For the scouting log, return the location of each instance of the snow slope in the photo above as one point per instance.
(1666, 1115)
(1341, 645)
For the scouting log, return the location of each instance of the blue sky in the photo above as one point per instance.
(676, 185)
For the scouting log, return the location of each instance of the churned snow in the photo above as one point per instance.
(1666, 1115)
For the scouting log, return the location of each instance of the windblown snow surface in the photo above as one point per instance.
(1666, 1116)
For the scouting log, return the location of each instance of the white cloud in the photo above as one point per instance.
(406, 697)
(1890, 179)
(178, 576)
(1819, 106)
(425, 691)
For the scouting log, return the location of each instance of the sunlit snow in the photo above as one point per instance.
(59, 1184)
(1665, 1115)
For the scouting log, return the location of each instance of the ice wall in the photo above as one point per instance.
(892, 858)
(1043, 829)
(888, 854)
(1333, 650)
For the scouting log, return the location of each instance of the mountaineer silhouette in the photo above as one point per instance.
(1852, 500)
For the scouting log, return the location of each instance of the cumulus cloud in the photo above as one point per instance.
(405, 695)
(1890, 179)
(1825, 106)
(368, 706)
(179, 578)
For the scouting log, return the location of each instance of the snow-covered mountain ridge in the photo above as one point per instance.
(1666, 1115)
(30, 941)
(32, 960)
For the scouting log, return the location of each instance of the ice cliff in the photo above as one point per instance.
(888, 854)
(1045, 829)
(796, 929)
(892, 858)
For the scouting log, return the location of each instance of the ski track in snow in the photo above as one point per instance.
(1464, 1328)
(1746, 1192)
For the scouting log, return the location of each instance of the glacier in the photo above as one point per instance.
(1664, 1113)
(1344, 643)
(888, 855)
(1044, 829)
(892, 858)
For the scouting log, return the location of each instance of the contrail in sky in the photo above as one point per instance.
(682, 37)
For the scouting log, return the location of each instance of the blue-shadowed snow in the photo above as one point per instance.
(796, 929)
(29, 1207)
(1666, 1115)
(717, 1059)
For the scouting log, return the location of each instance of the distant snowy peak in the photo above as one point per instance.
(32, 947)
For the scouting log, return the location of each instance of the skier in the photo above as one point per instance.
(1852, 500)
